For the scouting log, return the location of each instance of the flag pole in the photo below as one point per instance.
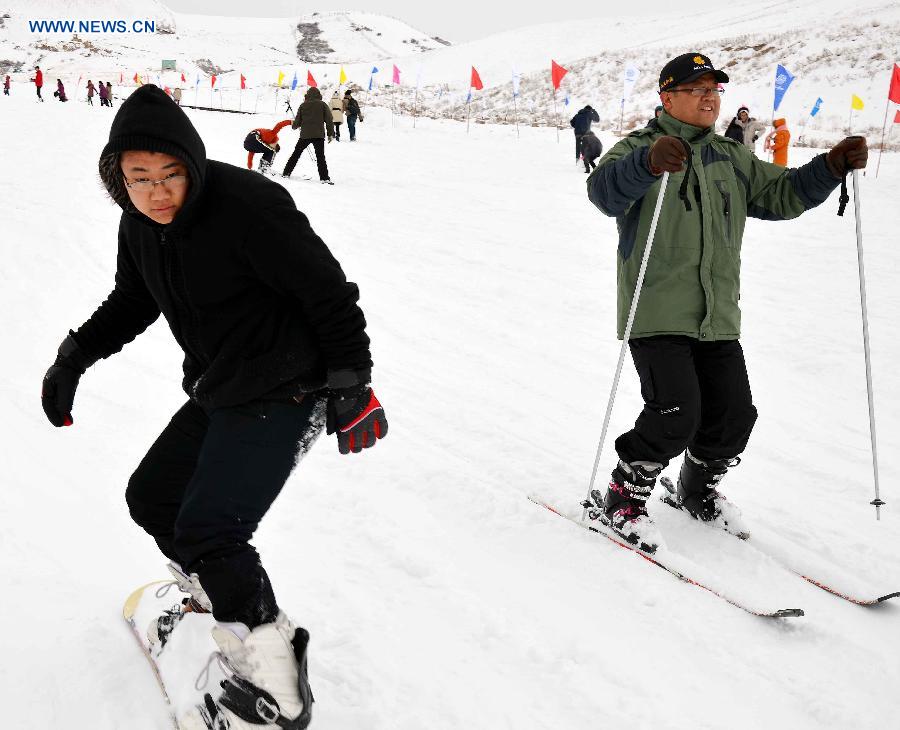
(468, 104)
(415, 107)
(556, 109)
(887, 105)
(516, 110)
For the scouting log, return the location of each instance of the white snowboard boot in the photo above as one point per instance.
(268, 687)
(196, 601)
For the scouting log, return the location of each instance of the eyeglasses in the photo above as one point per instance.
(175, 181)
(699, 91)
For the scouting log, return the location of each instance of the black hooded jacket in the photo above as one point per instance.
(252, 295)
(581, 122)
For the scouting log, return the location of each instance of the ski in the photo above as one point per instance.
(657, 560)
(786, 562)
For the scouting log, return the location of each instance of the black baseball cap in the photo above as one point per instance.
(687, 67)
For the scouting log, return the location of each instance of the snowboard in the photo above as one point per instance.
(185, 660)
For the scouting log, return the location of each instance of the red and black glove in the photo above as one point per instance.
(61, 381)
(357, 417)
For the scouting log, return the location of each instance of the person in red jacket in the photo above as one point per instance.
(266, 142)
(777, 142)
(38, 81)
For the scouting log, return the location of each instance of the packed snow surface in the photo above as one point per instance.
(437, 595)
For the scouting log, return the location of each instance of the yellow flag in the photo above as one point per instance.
(856, 102)
(343, 77)
(280, 77)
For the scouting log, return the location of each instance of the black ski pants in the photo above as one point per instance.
(302, 144)
(206, 483)
(252, 143)
(696, 395)
(351, 126)
(578, 138)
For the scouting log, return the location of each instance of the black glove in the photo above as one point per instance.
(851, 153)
(667, 154)
(61, 381)
(355, 414)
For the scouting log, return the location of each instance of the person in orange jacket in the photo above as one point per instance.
(266, 142)
(777, 142)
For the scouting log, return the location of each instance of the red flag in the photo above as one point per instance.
(476, 80)
(212, 81)
(310, 81)
(135, 79)
(121, 77)
(897, 117)
(183, 80)
(556, 73)
(243, 82)
(167, 90)
(894, 91)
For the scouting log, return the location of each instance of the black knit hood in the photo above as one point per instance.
(312, 94)
(150, 120)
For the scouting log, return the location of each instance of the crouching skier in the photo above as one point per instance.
(684, 339)
(275, 346)
(264, 141)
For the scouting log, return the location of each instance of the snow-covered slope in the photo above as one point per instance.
(436, 594)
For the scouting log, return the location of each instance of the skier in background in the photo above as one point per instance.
(581, 125)
(275, 349)
(6, 86)
(102, 92)
(90, 92)
(38, 81)
(266, 142)
(337, 115)
(177, 95)
(591, 149)
(60, 92)
(744, 129)
(777, 142)
(313, 119)
(109, 94)
(353, 112)
(684, 340)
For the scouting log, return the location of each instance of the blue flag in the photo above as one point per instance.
(469, 97)
(294, 82)
(567, 100)
(374, 69)
(783, 79)
(197, 82)
(815, 109)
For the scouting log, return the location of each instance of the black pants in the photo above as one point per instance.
(337, 131)
(206, 483)
(351, 126)
(696, 395)
(578, 145)
(252, 143)
(302, 144)
(39, 93)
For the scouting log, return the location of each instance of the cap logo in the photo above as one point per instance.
(668, 81)
(700, 60)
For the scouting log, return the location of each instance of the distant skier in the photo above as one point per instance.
(60, 92)
(337, 115)
(38, 81)
(263, 141)
(102, 93)
(275, 346)
(6, 86)
(176, 95)
(581, 125)
(313, 119)
(591, 149)
(353, 112)
(684, 340)
(90, 92)
(109, 94)
(777, 142)
(744, 129)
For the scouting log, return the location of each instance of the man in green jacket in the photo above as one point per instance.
(684, 339)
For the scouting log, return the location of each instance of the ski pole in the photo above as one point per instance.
(877, 502)
(628, 325)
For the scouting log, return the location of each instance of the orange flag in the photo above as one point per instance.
(212, 81)
(243, 82)
(556, 73)
(310, 81)
(894, 91)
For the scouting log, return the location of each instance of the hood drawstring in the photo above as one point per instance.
(682, 191)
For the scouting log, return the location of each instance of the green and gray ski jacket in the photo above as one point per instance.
(692, 284)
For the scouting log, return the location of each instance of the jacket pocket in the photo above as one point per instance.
(727, 212)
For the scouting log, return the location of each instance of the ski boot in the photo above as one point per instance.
(267, 686)
(697, 494)
(265, 167)
(195, 602)
(624, 506)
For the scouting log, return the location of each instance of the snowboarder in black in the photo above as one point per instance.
(274, 348)
(581, 125)
(313, 118)
(591, 149)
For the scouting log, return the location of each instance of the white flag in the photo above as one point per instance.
(516, 78)
(419, 79)
(629, 79)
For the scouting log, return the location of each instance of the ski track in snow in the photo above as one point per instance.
(436, 594)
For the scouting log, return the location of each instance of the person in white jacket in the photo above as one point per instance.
(337, 115)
